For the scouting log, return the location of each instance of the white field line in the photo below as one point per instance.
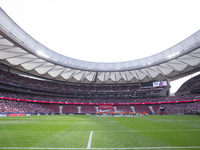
(90, 140)
(191, 147)
(152, 130)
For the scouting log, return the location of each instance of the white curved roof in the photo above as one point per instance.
(19, 50)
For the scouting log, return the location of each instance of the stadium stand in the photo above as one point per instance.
(70, 109)
(24, 88)
(7, 106)
(24, 84)
(183, 108)
(124, 109)
(52, 107)
(88, 109)
(142, 108)
(123, 86)
(190, 86)
(155, 108)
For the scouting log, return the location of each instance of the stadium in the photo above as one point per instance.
(67, 103)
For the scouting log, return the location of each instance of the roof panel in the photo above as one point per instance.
(117, 76)
(91, 76)
(67, 74)
(56, 71)
(5, 55)
(5, 42)
(79, 75)
(134, 74)
(34, 56)
(177, 65)
(43, 69)
(190, 60)
(164, 68)
(140, 74)
(129, 76)
(19, 60)
(113, 76)
(101, 76)
(106, 76)
(152, 72)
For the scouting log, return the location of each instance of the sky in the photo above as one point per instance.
(107, 30)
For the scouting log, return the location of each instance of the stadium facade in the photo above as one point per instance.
(20, 52)
(68, 85)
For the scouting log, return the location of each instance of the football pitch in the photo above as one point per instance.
(171, 132)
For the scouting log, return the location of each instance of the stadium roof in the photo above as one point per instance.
(20, 51)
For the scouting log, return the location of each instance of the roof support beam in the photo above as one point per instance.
(95, 77)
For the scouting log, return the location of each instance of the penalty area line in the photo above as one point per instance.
(90, 140)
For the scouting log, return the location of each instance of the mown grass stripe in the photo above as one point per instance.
(191, 147)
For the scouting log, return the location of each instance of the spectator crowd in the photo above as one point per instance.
(21, 87)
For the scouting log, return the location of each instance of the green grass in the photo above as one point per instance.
(73, 132)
